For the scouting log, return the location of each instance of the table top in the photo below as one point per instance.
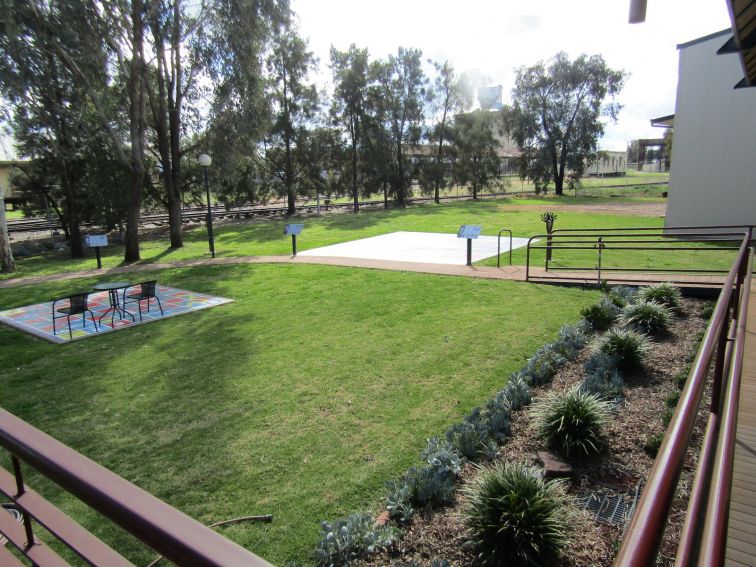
(110, 286)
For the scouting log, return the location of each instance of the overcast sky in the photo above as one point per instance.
(496, 37)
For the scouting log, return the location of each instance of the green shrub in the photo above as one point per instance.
(653, 443)
(517, 391)
(627, 346)
(647, 317)
(571, 421)
(429, 486)
(495, 417)
(672, 398)
(351, 538)
(570, 341)
(622, 295)
(542, 366)
(472, 438)
(682, 377)
(667, 415)
(399, 502)
(663, 293)
(514, 517)
(600, 315)
(707, 310)
(602, 377)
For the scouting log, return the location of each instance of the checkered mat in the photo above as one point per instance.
(37, 319)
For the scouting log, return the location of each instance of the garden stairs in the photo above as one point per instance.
(741, 535)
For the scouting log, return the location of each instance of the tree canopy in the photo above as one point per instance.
(558, 110)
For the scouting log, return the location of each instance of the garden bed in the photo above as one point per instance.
(436, 535)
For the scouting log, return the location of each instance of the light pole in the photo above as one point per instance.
(205, 161)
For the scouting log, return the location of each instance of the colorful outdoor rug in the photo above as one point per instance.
(37, 319)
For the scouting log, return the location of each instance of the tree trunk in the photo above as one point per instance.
(354, 179)
(7, 264)
(400, 191)
(72, 213)
(558, 185)
(385, 196)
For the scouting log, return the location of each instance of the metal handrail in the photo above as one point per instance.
(622, 241)
(168, 531)
(646, 530)
(498, 247)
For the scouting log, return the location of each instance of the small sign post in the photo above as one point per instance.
(96, 241)
(293, 230)
(469, 231)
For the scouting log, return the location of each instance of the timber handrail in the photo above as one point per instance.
(166, 530)
(646, 530)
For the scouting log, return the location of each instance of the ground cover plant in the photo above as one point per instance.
(265, 237)
(300, 399)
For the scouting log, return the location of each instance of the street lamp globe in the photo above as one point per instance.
(205, 160)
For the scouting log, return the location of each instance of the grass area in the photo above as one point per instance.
(265, 237)
(12, 215)
(299, 399)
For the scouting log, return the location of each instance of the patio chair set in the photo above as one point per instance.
(119, 294)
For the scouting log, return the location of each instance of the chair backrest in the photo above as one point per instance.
(148, 288)
(78, 302)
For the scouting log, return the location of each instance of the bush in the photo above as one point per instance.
(429, 486)
(514, 517)
(398, 502)
(653, 443)
(682, 377)
(667, 415)
(600, 315)
(647, 317)
(495, 417)
(542, 366)
(707, 310)
(602, 377)
(570, 342)
(440, 454)
(472, 437)
(672, 398)
(571, 421)
(627, 346)
(517, 391)
(663, 293)
(351, 538)
(622, 295)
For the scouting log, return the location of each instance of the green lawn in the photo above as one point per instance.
(299, 399)
(265, 237)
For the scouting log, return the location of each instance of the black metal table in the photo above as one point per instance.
(115, 305)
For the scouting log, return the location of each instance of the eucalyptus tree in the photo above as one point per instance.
(294, 104)
(49, 117)
(449, 95)
(477, 163)
(350, 77)
(557, 113)
(397, 98)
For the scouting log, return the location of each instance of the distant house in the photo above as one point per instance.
(10, 194)
(713, 170)
(608, 163)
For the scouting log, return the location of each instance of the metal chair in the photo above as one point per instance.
(77, 304)
(147, 290)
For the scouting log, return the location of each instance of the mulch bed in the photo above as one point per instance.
(439, 534)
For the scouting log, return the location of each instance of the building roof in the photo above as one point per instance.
(663, 121)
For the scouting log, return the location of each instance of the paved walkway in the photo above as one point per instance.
(741, 533)
(514, 273)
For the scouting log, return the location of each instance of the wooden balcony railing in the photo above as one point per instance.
(169, 532)
(704, 533)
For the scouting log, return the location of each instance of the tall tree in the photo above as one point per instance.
(397, 97)
(7, 264)
(450, 94)
(475, 145)
(294, 104)
(557, 112)
(350, 77)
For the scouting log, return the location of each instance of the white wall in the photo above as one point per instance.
(713, 171)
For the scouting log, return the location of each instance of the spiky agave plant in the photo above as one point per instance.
(647, 317)
(572, 421)
(514, 517)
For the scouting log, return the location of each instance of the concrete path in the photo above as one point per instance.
(515, 273)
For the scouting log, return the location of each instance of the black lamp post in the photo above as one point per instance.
(205, 161)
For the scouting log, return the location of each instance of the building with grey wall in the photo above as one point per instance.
(713, 170)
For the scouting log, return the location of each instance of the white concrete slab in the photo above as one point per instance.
(422, 247)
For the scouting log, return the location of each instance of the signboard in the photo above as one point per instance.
(293, 229)
(94, 240)
(469, 231)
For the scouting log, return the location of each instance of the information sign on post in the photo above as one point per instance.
(469, 231)
(96, 241)
(293, 230)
